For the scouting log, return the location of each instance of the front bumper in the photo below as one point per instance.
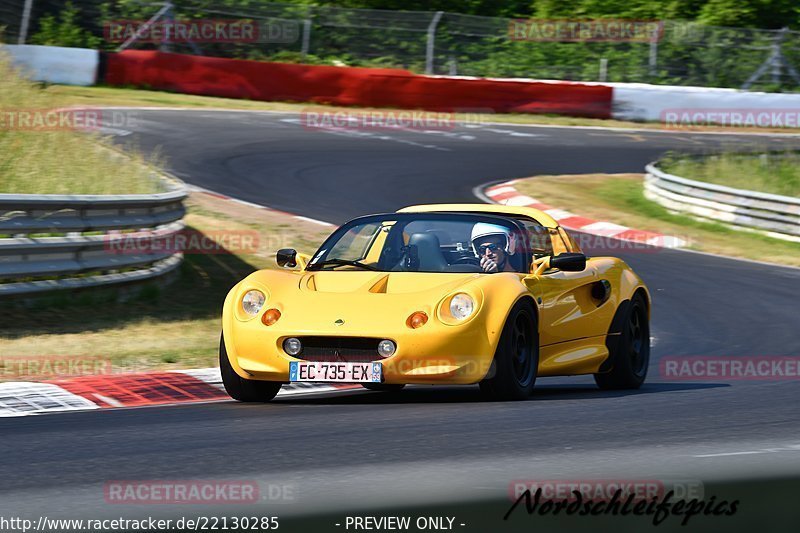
(435, 353)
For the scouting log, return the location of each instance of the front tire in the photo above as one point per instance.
(240, 389)
(516, 361)
(631, 356)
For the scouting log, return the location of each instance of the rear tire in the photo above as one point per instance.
(516, 361)
(631, 356)
(240, 389)
(383, 387)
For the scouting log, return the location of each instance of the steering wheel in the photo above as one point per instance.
(467, 260)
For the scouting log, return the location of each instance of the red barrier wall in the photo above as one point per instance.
(366, 87)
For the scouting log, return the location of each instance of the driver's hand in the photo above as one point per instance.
(488, 265)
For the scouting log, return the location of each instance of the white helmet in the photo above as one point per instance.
(484, 229)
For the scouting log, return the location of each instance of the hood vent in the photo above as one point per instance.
(311, 284)
(379, 287)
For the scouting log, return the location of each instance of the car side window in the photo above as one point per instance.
(572, 245)
(538, 238)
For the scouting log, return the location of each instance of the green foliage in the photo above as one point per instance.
(776, 173)
(488, 8)
(65, 30)
(690, 52)
(751, 13)
(149, 294)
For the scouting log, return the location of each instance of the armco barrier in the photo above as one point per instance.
(56, 64)
(71, 258)
(642, 102)
(390, 88)
(779, 216)
(350, 86)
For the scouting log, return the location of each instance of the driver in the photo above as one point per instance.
(493, 244)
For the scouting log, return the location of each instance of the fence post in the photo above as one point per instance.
(169, 16)
(603, 69)
(306, 43)
(775, 63)
(26, 20)
(653, 59)
(431, 40)
(167, 7)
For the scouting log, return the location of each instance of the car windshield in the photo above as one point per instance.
(428, 242)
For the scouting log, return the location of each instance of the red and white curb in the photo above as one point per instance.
(507, 194)
(108, 391)
(136, 390)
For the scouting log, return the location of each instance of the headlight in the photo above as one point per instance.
(253, 301)
(461, 306)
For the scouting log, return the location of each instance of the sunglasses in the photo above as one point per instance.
(491, 246)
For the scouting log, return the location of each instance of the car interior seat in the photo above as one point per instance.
(427, 254)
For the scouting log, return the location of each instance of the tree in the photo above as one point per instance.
(65, 30)
(751, 13)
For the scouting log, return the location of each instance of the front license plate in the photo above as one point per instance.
(335, 372)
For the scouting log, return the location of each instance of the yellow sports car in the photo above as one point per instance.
(437, 294)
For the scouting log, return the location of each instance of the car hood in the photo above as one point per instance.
(383, 282)
(313, 302)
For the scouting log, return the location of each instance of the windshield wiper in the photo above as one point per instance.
(342, 262)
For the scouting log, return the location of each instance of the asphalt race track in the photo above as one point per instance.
(439, 444)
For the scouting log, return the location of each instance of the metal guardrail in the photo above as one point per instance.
(779, 216)
(50, 242)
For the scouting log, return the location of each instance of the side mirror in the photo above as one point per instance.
(569, 262)
(286, 258)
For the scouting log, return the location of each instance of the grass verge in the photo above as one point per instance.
(776, 173)
(619, 198)
(57, 159)
(172, 328)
